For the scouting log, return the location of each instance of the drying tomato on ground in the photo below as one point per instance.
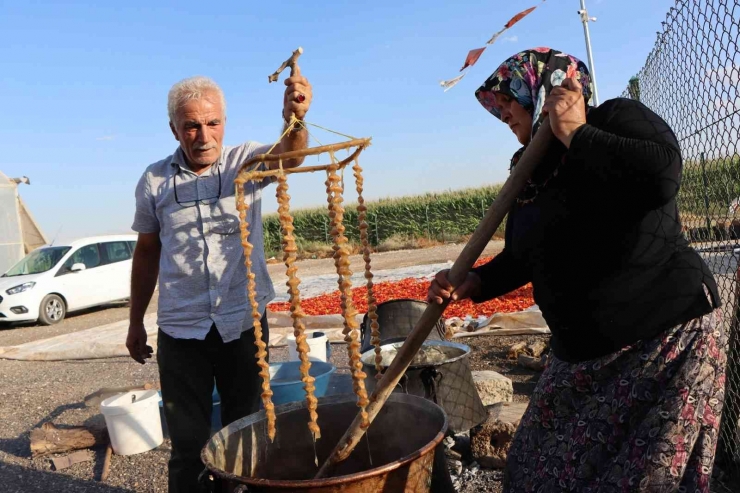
(328, 304)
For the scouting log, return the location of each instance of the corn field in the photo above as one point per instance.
(435, 216)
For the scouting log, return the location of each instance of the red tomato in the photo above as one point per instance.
(327, 304)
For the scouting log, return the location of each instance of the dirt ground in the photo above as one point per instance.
(37, 392)
(490, 353)
(32, 393)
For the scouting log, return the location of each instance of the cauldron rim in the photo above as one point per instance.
(431, 342)
(335, 480)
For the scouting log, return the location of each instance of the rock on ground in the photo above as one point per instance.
(507, 412)
(493, 387)
(490, 443)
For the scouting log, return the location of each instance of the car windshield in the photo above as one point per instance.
(38, 261)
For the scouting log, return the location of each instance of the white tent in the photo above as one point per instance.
(19, 233)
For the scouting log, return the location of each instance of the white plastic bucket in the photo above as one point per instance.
(133, 421)
(317, 344)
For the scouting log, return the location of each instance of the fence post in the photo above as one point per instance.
(429, 232)
(377, 234)
(705, 180)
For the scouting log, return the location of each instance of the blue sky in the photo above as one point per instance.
(85, 83)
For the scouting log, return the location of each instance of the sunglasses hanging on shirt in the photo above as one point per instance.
(204, 201)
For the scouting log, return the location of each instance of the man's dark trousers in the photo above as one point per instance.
(187, 370)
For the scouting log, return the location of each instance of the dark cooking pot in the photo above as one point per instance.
(396, 318)
(444, 378)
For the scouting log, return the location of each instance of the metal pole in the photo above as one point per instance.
(705, 189)
(585, 19)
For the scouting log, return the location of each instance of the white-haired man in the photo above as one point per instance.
(189, 239)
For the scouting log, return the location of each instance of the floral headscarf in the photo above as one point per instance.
(529, 76)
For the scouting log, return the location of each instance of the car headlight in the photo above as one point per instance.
(21, 287)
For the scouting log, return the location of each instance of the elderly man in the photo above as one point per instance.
(188, 229)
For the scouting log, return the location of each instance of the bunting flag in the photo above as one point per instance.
(475, 54)
(473, 57)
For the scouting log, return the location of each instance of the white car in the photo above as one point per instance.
(54, 280)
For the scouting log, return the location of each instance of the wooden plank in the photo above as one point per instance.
(52, 440)
(106, 463)
(72, 459)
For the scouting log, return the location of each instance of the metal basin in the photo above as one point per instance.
(441, 373)
(240, 458)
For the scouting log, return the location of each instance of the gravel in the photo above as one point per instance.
(32, 393)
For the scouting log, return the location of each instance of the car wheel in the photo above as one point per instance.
(52, 310)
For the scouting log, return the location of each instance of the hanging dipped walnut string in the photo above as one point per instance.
(349, 313)
(296, 313)
(372, 307)
(255, 170)
(266, 395)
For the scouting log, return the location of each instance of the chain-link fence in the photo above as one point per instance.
(691, 80)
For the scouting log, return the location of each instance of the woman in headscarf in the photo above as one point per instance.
(631, 397)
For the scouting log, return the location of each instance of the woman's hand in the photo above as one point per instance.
(567, 110)
(441, 289)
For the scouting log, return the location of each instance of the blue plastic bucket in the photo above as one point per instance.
(285, 380)
(286, 385)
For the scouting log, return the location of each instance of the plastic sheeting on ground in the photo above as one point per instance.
(312, 286)
(104, 341)
(109, 341)
(527, 322)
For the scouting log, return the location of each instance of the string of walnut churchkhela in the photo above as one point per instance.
(335, 192)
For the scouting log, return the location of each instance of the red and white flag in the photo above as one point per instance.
(475, 54)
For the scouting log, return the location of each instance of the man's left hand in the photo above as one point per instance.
(567, 110)
(298, 95)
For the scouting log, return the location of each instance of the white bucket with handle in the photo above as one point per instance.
(319, 348)
(133, 421)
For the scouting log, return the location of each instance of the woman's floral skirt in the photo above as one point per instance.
(645, 418)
